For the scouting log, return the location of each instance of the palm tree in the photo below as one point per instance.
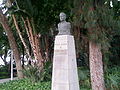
(37, 23)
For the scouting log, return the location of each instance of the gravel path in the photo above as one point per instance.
(7, 79)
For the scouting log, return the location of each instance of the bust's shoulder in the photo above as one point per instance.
(68, 23)
(58, 24)
(64, 24)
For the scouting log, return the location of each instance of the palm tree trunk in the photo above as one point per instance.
(96, 66)
(21, 38)
(34, 41)
(12, 42)
(38, 51)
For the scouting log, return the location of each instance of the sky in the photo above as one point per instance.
(1, 1)
(1, 61)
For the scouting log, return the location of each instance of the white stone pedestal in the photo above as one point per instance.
(65, 76)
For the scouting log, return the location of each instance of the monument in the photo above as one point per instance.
(64, 76)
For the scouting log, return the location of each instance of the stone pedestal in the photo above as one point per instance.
(65, 76)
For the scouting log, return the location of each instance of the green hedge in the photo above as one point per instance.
(4, 72)
(25, 84)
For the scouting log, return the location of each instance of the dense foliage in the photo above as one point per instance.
(44, 14)
(25, 84)
(112, 79)
(35, 74)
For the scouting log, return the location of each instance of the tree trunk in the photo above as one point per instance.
(21, 38)
(34, 41)
(38, 51)
(13, 43)
(96, 66)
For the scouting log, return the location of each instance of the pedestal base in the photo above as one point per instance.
(65, 76)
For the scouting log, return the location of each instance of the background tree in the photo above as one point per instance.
(96, 19)
(37, 23)
(12, 43)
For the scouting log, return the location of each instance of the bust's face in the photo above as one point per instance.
(62, 17)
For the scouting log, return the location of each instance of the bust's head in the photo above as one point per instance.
(62, 16)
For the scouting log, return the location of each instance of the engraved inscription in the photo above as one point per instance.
(60, 52)
(60, 47)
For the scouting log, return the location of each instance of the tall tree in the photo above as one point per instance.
(86, 9)
(12, 43)
(95, 58)
(96, 18)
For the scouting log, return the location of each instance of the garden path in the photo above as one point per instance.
(7, 79)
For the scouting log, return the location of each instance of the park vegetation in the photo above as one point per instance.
(30, 27)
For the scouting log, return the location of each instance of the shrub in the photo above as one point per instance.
(84, 78)
(25, 84)
(34, 74)
(112, 78)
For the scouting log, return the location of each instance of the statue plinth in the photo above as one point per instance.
(64, 76)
